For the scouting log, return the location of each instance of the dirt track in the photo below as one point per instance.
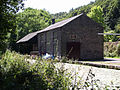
(106, 76)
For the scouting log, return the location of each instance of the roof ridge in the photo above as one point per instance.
(60, 24)
(51, 27)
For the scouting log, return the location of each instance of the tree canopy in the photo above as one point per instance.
(96, 14)
(31, 20)
(111, 13)
(15, 26)
(8, 9)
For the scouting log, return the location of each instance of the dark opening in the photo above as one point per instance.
(73, 50)
(53, 21)
(28, 46)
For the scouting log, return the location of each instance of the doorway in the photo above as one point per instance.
(73, 50)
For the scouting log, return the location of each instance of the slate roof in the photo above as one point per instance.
(59, 24)
(51, 27)
(27, 37)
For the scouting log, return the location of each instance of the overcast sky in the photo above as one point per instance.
(55, 6)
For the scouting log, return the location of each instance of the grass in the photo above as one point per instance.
(113, 57)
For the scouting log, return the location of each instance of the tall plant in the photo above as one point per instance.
(18, 73)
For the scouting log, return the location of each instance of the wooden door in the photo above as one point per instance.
(73, 50)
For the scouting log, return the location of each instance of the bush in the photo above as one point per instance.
(111, 49)
(17, 73)
(64, 59)
(118, 50)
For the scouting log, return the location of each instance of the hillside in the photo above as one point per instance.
(111, 9)
(15, 25)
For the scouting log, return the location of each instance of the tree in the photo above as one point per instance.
(8, 9)
(110, 38)
(117, 27)
(96, 14)
(31, 20)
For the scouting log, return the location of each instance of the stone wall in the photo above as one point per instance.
(82, 30)
(86, 32)
(50, 42)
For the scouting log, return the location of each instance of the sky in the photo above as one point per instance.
(56, 6)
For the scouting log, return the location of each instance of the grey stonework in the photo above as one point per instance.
(76, 37)
(81, 30)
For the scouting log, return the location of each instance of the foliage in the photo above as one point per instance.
(31, 20)
(91, 83)
(97, 14)
(118, 50)
(79, 10)
(18, 73)
(117, 27)
(8, 9)
(107, 10)
(112, 13)
(15, 27)
(64, 59)
(112, 49)
(111, 10)
(110, 38)
(59, 15)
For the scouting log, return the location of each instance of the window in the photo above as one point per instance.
(48, 41)
(55, 43)
(42, 43)
(35, 47)
(73, 36)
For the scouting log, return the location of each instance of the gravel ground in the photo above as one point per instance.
(106, 76)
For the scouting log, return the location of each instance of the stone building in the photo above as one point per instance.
(76, 37)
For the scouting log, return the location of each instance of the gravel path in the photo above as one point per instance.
(106, 76)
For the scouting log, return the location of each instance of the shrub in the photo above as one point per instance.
(111, 49)
(64, 59)
(118, 50)
(17, 73)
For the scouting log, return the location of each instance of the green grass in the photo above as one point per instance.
(113, 57)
